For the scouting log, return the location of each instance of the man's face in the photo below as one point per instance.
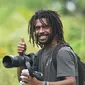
(43, 31)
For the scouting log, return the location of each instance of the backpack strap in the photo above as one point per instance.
(38, 58)
(57, 48)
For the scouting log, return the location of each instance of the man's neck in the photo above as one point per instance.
(53, 44)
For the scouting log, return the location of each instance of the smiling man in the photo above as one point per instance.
(46, 31)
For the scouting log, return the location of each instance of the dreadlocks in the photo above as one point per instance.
(53, 20)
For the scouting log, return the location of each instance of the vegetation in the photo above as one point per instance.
(14, 17)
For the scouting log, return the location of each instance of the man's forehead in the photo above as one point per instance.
(44, 20)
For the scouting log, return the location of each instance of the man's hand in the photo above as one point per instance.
(21, 47)
(26, 79)
(35, 81)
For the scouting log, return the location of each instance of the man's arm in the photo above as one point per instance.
(71, 80)
(21, 48)
(68, 81)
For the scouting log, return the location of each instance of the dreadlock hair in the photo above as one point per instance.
(53, 20)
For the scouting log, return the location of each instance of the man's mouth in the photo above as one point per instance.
(43, 37)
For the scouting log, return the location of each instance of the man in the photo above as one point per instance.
(46, 30)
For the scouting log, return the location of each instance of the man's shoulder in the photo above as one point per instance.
(65, 49)
(39, 51)
(66, 52)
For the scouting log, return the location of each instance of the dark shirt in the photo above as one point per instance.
(66, 64)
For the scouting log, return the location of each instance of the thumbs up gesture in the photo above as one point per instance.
(21, 48)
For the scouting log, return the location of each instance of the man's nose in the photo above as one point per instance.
(41, 29)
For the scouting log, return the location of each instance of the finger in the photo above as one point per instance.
(25, 79)
(23, 42)
(26, 75)
(23, 83)
(20, 51)
(21, 46)
(22, 39)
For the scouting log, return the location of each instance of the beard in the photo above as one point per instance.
(44, 39)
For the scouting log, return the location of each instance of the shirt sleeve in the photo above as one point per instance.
(65, 63)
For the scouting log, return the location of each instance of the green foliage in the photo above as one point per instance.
(74, 30)
(81, 4)
(8, 76)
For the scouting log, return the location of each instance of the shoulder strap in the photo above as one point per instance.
(59, 46)
(38, 58)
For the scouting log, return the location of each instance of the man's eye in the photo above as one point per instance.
(37, 27)
(45, 26)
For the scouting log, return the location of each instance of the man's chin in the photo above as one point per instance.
(44, 42)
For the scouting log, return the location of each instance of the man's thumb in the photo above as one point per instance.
(22, 39)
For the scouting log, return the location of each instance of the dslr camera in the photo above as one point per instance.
(28, 61)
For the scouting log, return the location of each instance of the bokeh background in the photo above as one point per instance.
(14, 17)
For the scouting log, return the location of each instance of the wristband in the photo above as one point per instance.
(44, 82)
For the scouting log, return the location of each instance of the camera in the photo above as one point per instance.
(28, 61)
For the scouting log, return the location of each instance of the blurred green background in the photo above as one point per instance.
(14, 17)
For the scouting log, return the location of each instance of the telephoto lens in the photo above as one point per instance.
(15, 61)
